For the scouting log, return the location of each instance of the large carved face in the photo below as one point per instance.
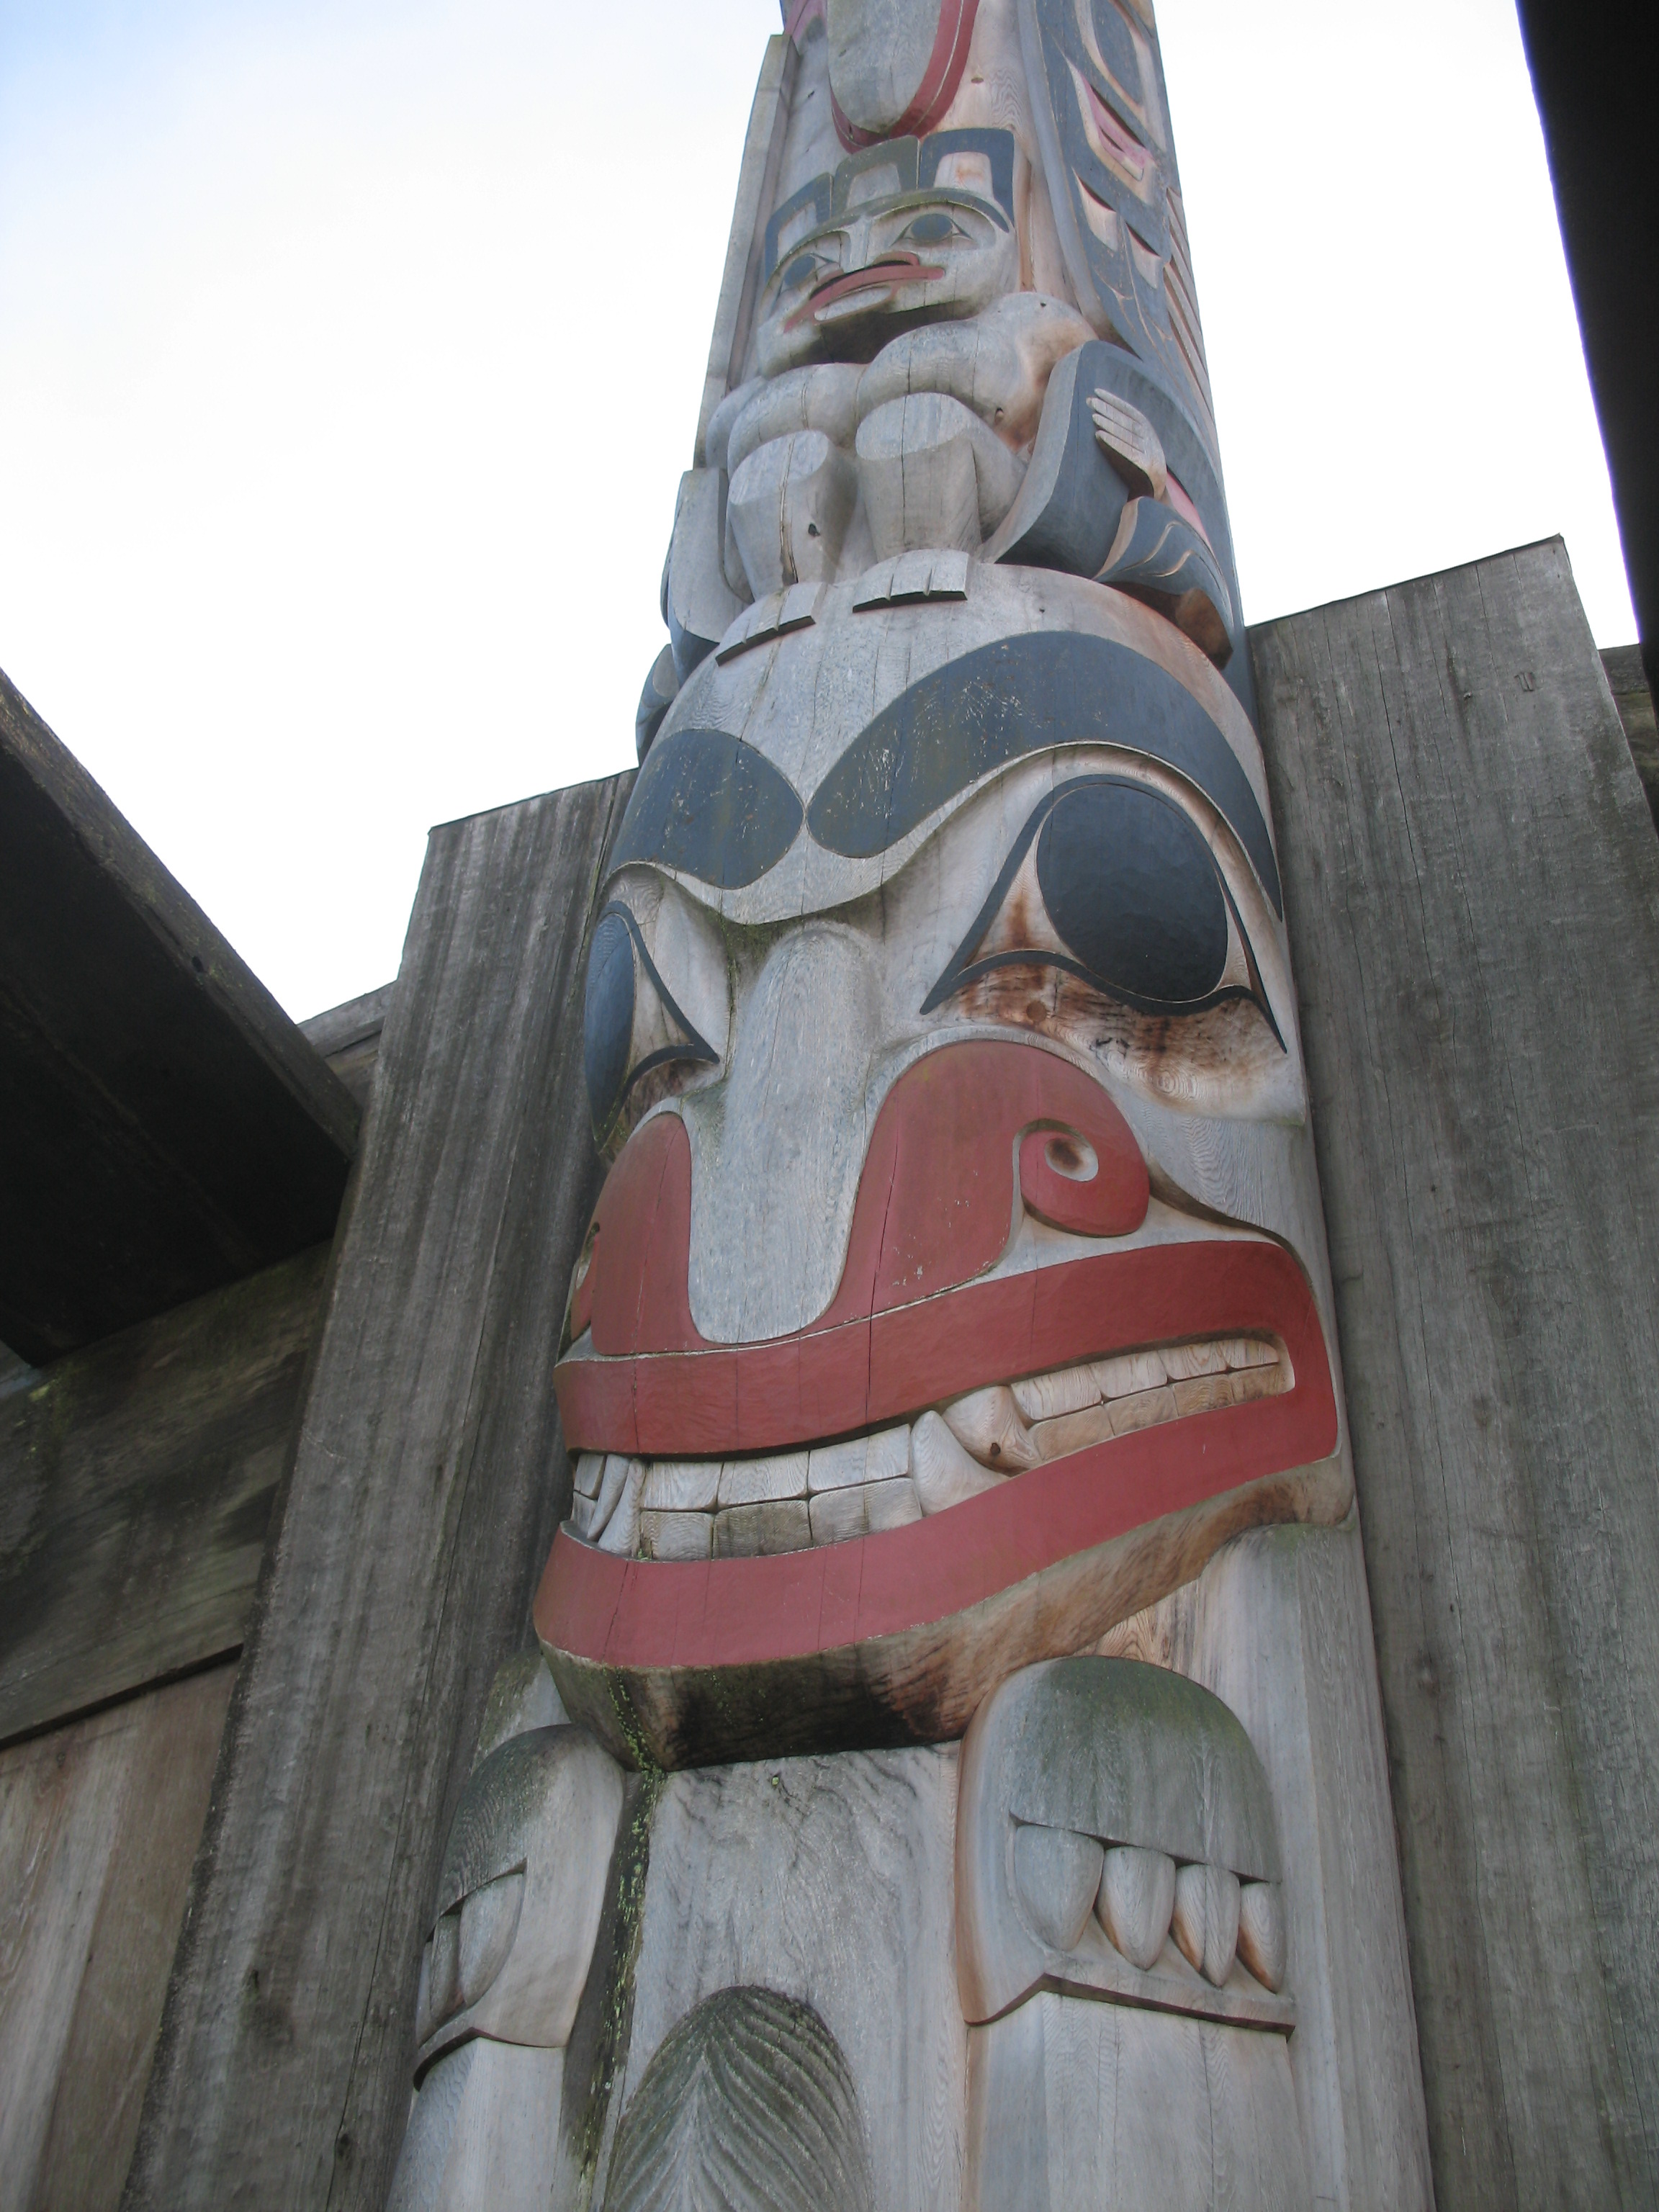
(940, 1013)
(958, 1283)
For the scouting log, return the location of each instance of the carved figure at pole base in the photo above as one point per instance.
(957, 1296)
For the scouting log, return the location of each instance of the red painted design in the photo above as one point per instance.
(939, 80)
(649, 1615)
(914, 1320)
(893, 268)
(934, 1207)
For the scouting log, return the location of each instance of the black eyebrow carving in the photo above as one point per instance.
(1021, 696)
(711, 806)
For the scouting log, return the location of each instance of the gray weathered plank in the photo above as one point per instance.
(98, 1821)
(428, 1479)
(349, 1038)
(1627, 680)
(1473, 888)
(136, 1482)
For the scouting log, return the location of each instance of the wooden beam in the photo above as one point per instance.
(428, 1479)
(1472, 883)
(136, 1482)
(1627, 680)
(168, 1129)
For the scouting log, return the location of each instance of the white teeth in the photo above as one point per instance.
(1131, 1371)
(829, 1493)
(618, 1518)
(862, 1510)
(758, 1481)
(680, 1486)
(881, 1458)
(945, 1473)
(989, 1423)
(1046, 1397)
(1182, 1361)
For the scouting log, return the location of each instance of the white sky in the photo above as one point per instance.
(350, 351)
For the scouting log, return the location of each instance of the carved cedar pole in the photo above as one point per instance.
(953, 1335)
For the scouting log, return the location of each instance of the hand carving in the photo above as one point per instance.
(1130, 444)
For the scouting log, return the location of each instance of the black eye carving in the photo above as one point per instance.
(1133, 901)
(933, 228)
(627, 1031)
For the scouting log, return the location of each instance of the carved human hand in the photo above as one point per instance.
(1130, 444)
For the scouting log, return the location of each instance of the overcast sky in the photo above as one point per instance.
(350, 352)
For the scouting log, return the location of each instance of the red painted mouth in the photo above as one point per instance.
(913, 1324)
(881, 275)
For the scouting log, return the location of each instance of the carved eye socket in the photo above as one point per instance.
(1112, 882)
(1132, 891)
(631, 1022)
(934, 228)
(806, 269)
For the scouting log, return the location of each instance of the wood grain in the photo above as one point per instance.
(137, 1477)
(758, 177)
(98, 1821)
(428, 1478)
(1473, 888)
(829, 1880)
(1627, 680)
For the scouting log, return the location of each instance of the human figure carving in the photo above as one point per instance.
(958, 1290)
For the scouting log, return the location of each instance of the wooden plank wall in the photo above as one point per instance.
(136, 1482)
(1472, 886)
(99, 1822)
(428, 1479)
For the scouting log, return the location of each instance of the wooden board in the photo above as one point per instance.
(168, 1129)
(1627, 680)
(349, 1038)
(428, 1479)
(136, 1482)
(98, 1821)
(1472, 887)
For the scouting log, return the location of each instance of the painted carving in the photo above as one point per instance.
(958, 1287)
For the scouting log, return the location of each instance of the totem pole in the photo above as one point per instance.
(957, 1776)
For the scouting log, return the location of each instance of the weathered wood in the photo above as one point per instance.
(428, 1479)
(1472, 887)
(98, 1821)
(136, 1482)
(169, 1129)
(349, 1038)
(828, 1879)
(763, 152)
(1627, 680)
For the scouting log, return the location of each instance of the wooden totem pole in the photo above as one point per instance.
(957, 1780)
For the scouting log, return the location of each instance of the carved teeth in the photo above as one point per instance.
(1057, 1874)
(945, 1473)
(1205, 1920)
(1261, 1933)
(694, 1508)
(1137, 1897)
(989, 1423)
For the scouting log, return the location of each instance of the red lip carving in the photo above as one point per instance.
(897, 268)
(896, 1636)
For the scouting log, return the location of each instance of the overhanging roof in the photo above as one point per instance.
(165, 1127)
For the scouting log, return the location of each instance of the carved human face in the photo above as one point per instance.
(906, 232)
(949, 1297)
